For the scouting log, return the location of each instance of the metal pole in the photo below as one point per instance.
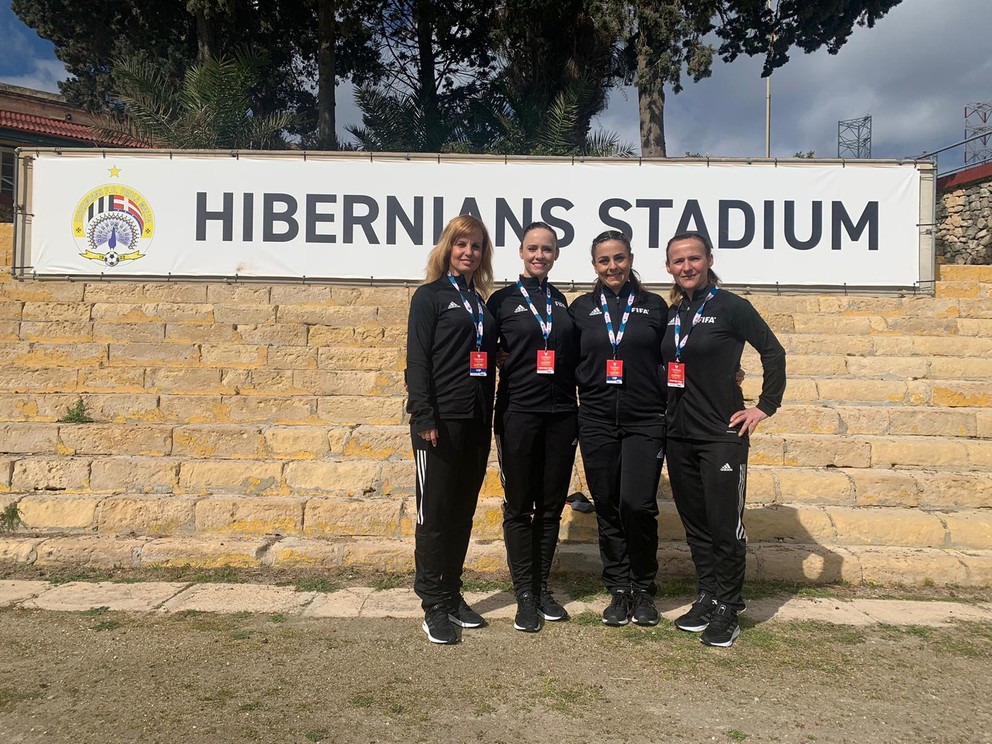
(768, 104)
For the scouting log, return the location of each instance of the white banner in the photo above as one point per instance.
(286, 216)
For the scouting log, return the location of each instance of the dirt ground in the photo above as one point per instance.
(99, 677)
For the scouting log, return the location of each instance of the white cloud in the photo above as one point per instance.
(44, 74)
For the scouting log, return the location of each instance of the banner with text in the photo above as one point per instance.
(286, 216)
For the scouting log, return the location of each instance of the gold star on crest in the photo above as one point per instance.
(115, 172)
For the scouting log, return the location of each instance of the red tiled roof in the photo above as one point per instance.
(64, 129)
(964, 178)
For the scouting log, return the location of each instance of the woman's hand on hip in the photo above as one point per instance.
(748, 419)
(429, 435)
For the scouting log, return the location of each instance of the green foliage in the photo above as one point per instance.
(807, 154)
(10, 518)
(211, 110)
(76, 414)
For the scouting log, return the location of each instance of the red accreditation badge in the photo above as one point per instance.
(676, 374)
(614, 371)
(545, 361)
(478, 363)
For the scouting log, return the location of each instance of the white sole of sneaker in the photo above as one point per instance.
(553, 618)
(526, 630)
(692, 628)
(647, 625)
(615, 625)
(723, 644)
(432, 639)
(462, 624)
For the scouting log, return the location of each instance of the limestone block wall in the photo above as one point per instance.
(964, 216)
(247, 424)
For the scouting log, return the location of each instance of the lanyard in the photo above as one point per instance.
(476, 319)
(545, 327)
(680, 343)
(615, 340)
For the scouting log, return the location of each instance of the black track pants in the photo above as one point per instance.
(709, 483)
(536, 454)
(449, 477)
(622, 466)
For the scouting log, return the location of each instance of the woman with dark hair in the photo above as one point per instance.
(450, 374)
(622, 424)
(535, 423)
(709, 427)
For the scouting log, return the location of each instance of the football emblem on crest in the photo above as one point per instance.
(113, 224)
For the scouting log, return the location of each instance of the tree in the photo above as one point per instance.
(211, 110)
(670, 35)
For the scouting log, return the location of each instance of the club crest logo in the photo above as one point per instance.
(113, 223)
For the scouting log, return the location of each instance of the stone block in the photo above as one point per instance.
(338, 517)
(28, 438)
(58, 512)
(261, 382)
(816, 452)
(146, 515)
(372, 296)
(29, 290)
(934, 346)
(50, 474)
(238, 356)
(292, 357)
(826, 324)
(927, 452)
(326, 382)
(326, 315)
(204, 441)
(969, 529)
(115, 439)
(244, 515)
(303, 442)
(844, 391)
(154, 355)
(964, 273)
(933, 422)
(241, 313)
(803, 420)
(398, 478)
(887, 368)
(50, 379)
(778, 523)
(806, 562)
(802, 365)
(984, 424)
(949, 490)
(202, 333)
(123, 408)
(275, 334)
(134, 475)
(189, 380)
(960, 368)
(889, 526)
(922, 325)
(241, 294)
(960, 394)
(909, 565)
(320, 336)
(349, 409)
(73, 312)
(579, 527)
(979, 327)
(139, 333)
(111, 380)
(265, 409)
(884, 488)
(349, 477)
(362, 358)
(172, 292)
(487, 523)
(239, 476)
(804, 486)
(761, 485)
(292, 552)
(64, 331)
(6, 473)
(300, 294)
(155, 312)
(202, 551)
(38, 355)
(766, 450)
(89, 551)
(868, 419)
(979, 454)
(396, 557)
(379, 442)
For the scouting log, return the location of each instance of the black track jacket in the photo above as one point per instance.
(641, 397)
(712, 355)
(440, 335)
(520, 388)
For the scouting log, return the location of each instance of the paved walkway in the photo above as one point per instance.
(166, 597)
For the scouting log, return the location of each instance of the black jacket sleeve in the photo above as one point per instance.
(421, 400)
(754, 330)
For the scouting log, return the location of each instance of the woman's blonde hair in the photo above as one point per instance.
(439, 259)
(676, 294)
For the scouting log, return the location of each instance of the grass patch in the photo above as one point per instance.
(95, 611)
(382, 581)
(736, 735)
(11, 696)
(486, 585)
(277, 617)
(562, 696)
(588, 619)
(582, 587)
(315, 584)
(10, 518)
(76, 414)
(316, 735)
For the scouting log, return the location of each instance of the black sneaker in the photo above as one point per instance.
(527, 618)
(723, 628)
(550, 608)
(698, 616)
(618, 613)
(438, 627)
(643, 611)
(464, 616)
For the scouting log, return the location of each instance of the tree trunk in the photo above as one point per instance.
(326, 75)
(206, 34)
(427, 79)
(651, 102)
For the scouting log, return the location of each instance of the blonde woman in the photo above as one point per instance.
(450, 375)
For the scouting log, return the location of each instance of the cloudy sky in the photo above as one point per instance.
(913, 73)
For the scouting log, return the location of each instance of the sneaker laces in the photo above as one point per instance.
(642, 598)
(619, 601)
(437, 613)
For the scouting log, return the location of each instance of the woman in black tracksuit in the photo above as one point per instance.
(535, 422)
(709, 427)
(450, 374)
(622, 424)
